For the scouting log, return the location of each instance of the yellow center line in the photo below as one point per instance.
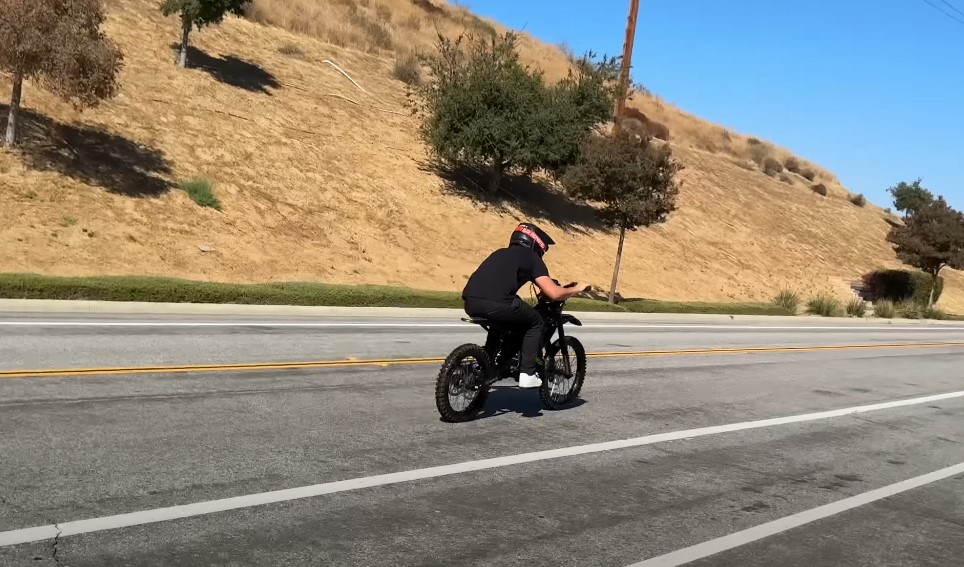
(346, 363)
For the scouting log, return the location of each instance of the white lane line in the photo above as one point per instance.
(714, 546)
(75, 527)
(467, 326)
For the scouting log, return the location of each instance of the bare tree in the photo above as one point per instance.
(59, 44)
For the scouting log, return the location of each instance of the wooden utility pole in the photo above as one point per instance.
(620, 107)
(626, 63)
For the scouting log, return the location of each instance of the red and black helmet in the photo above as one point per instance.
(532, 237)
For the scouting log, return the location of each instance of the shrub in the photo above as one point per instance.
(407, 70)
(772, 166)
(786, 178)
(933, 313)
(819, 189)
(884, 309)
(789, 301)
(742, 163)
(858, 200)
(901, 286)
(825, 306)
(753, 142)
(792, 164)
(760, 153)
(910, 311)
(809, 174)
(201, 191)
(857, 307)
(291, 50)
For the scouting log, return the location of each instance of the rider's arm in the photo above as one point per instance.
(556, 292)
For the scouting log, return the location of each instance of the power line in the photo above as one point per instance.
(945, 12)
(952, 7)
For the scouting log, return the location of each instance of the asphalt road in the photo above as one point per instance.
(33, 341)
(804, 488)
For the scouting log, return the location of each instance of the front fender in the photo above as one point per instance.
(571, 319)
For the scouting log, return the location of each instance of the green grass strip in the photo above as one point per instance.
(171, 290)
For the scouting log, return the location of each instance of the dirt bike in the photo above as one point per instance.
(470, 370)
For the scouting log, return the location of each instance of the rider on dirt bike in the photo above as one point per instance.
(492, 293)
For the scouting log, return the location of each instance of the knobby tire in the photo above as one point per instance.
(579, 373)
(447, 374)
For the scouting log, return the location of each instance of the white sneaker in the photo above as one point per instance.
(529, 381)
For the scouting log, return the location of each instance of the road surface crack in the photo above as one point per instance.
(56, 544)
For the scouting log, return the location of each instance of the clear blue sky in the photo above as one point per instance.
(872, 90)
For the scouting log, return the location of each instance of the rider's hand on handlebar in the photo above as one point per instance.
(578, 287)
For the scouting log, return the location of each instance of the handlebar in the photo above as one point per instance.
(542, 297)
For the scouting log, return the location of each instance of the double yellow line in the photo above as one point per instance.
(347, 363)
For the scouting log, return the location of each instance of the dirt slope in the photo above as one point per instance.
(321, 181)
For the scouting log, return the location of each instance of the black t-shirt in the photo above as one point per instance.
(500, 276)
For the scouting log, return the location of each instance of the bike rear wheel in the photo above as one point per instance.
(559, 391)
(461, 390)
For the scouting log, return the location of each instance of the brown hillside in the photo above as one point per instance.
(324, 182)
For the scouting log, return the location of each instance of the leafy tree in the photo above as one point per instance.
(481, 104)
(485, 107)
(910, 197)
(59, 44)
(931, 239)
(573, 107)
(199, 13)
(633, 179)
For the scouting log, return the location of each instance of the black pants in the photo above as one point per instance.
(517, 315)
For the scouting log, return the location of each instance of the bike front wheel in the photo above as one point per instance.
(559, 391)
(461, 390)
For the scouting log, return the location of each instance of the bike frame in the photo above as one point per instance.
(555, 321)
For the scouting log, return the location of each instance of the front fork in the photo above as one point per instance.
(564, 348)
(555, 321)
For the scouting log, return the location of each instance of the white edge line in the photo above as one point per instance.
(737, 539)
(466, 326)
(75, 527)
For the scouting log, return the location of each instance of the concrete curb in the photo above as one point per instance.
(62, 307)
(150, 308)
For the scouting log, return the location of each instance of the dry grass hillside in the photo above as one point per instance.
(323, 181)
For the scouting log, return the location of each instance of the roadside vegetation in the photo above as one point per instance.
(930, 238)
(172, 290)
(201, 191)
(788, 301)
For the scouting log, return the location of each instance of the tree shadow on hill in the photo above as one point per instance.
(533, 199)
(232, 70)
(91, 155)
